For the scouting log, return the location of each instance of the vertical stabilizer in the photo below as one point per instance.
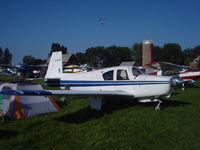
(55, 68)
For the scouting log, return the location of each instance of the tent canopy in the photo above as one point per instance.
(18, 107)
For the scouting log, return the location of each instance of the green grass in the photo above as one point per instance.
(121, 125)
(8, 78)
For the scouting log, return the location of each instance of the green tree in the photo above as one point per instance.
(29, 60)
(38, 61)
(57, 47)
(195, 52)
(115, 55)
(7, 56)
(106, 57)
(95, 56)
(1, 56)
(136, 51)
(191, 54)
(188, 56)
(157, 54)
(172, 53)
(80, 57)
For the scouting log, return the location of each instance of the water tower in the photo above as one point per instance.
(147, 48)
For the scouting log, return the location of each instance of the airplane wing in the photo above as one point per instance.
(169, 68)
(63, 92)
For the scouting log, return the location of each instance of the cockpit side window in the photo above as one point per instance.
(122, 75)
(108, 75)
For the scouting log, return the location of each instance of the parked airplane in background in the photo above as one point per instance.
(121, 81)
(165, 68)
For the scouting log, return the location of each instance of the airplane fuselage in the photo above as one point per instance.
(121, 78)
(190, 75)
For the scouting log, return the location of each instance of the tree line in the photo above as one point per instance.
(105, 56)
(101, 56)
(114, 55)
(5, 56)
(30, 60)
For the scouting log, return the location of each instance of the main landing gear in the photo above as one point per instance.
(158, 106)
(150, 100)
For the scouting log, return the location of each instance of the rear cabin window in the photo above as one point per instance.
(108, 75)
(122, 75)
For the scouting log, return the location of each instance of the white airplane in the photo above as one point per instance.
(119, 81)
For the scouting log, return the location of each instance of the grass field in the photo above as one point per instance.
(122, 125)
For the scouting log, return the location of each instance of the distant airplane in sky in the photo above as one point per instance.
(102, 20)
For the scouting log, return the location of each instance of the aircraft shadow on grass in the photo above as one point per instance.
(86, 114)
(7, 134)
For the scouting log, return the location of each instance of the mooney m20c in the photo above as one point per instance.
(114, 81)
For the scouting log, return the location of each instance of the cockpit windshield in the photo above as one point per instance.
(136, 71)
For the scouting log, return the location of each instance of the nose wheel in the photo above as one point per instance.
(158, 106)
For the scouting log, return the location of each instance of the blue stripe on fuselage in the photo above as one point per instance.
(80, 83)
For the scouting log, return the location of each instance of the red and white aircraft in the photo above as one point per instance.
(119, 81)
(189, 75)
(165, 68)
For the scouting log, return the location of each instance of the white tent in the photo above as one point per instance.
(18, 107)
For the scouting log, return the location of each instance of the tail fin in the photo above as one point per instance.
(55, 68)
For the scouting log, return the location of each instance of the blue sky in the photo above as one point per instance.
(28, 27)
